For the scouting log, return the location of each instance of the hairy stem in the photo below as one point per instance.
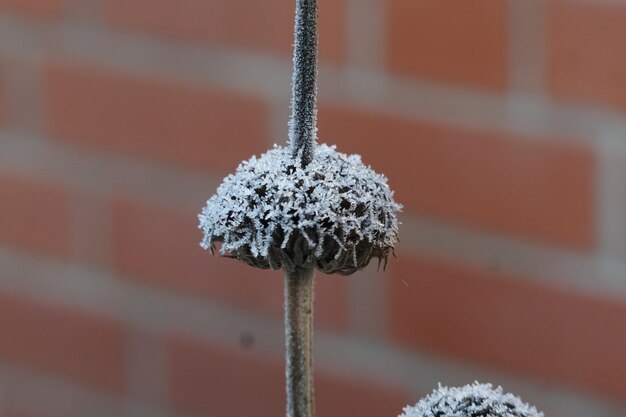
(299, 283)
(299, 342)
(303, 123)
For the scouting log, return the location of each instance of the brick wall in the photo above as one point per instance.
(500, 123)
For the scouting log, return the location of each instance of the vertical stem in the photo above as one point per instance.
(299, 283)
(299, 341)
(303, 123)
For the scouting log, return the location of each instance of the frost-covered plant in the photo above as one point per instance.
(334, 214)
(475, 400)
(302, 207)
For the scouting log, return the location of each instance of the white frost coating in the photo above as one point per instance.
(334, 197)
(476, 400)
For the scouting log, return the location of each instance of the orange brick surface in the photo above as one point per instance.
(347, 395)
(105, 156)
(586, 52)
(34, 8)
(265, 25)
(207, 380)
(538, 190)
(509, 323)
(188, 125)
(64, 342)
(449, 41)
(34, 215)
(160, 246)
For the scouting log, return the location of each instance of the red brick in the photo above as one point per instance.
(34, 216)
(266, 25)
(62, 341)
(586, 52)
(208, 380)
(160, 246)
(183, 124)
(449, 41)
(521, 186)
(34, 8)
(509, 323)
(351, 395)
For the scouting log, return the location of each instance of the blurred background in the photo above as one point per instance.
(501, 125)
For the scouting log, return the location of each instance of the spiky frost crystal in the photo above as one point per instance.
(334, 214)
(476, 400)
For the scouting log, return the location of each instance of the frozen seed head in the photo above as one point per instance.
(335, 214)
(476, 400)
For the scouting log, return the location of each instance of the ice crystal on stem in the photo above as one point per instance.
(475, 400)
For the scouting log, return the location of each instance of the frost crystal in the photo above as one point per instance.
(335, 213)
(476, 400)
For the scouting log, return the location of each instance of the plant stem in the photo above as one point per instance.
(299, 283)
(299, 342)
(303, 123)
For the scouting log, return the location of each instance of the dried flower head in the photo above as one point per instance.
(335, 213)
(476, 400)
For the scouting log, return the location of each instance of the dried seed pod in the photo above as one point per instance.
(335, 213)
(476, 400)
